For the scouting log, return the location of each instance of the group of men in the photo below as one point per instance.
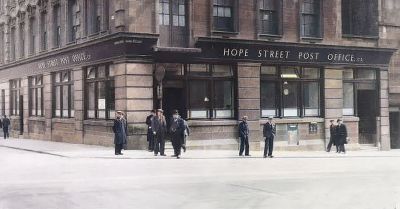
(158, 130)
(338, 136)
(5, 124)
(269, 132)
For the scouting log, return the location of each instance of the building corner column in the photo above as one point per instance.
(384, 128)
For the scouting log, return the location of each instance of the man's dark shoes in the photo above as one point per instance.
(270, 156)
(174, 156)
(265, 156)
(163, 155)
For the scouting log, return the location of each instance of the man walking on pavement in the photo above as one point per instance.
(269, 131)
(120, 131)
(333, 137)
(159, 126)
(177, 130)
(150, 137)
(6, 124)
(341, 132)
(244, 137)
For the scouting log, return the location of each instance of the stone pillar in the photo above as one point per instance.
(48, 105)
(25, 93)
(333, 98)
(78, 103)
(248, 75)
(384, 128)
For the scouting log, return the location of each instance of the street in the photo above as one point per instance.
(59, 179)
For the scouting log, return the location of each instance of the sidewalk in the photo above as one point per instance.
(90, 151)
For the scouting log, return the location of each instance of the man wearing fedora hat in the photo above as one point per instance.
(177, 130)
(244, 136)
(120, 129)
(159, 127)
(341, 132)
(332, 140)
(269, 131)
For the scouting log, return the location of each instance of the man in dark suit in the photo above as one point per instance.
(177, 130)
(341, 132)
(150, 137)
(120, 129)
(269, 132)
(332, 139)
(6, 124)
(244, 137)
(159, 127)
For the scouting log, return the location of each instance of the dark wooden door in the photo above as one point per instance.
(366, 111)
(173, 23)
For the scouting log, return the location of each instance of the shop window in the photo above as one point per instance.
(290, 92)
(310, 18)
(63, 94)
(100, 92)
(223, 15)
(3, 102)
(270, 16)
(355, 80)
(210, 91)
(360, 18)
(36, 96)
(15, 88)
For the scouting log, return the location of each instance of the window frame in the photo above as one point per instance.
(279, 12)
(109, 83)
(15, 93)
(300, 82)
(33, 86)
(350, 31)
(234, 25)
(61, 84)
(57, 26)
(319, 20)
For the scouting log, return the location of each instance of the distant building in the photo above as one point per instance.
(68, 65)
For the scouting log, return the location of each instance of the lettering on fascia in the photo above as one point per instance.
(64, 60)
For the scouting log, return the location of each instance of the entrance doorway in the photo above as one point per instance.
(173, 99)
(394, 130)
(367, 112)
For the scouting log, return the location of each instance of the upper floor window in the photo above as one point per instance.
(223, 13)
(32, 35)
(12, 43)
(73, 23)
(36, 96)
(43, 31)
(96, 16)
(22, 39)
(15, 90)
(310, 18)
(2, 43)
(57, 25)
(270, 17)
(172, 11)
(360, 17)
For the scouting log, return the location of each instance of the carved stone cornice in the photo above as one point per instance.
(31, 10)
(54, 3)
(42, 6)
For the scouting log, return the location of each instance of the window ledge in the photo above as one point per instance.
(269, 36)
(349, 118)
(225, 33)
(294, 120)
(63, 120)
(37, 118)
(360, 36)
(312, 39)
(215, 122)
(98, 122)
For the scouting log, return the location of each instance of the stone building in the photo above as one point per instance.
(67, 65)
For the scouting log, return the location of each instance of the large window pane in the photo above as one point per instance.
(268, 98)
(223, 99)
(199, 99)
(366, 74)
(348, 99)
(311, 99)
(91, 100)
(290, 99)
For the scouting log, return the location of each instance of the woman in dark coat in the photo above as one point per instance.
(120, 129)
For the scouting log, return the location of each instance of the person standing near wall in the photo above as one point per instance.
(244, 137)
(150, 137)
(341, 132)
(333, 137)
(159, 126)
(269, 131)
(6, 124)
(120, 129)
(177, 130)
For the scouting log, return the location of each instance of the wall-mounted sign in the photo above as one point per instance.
(313, 128)
(293, 52)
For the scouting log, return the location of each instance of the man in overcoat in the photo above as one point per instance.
(332, 140)
(150, 137)
(177, 130)
(6, 124)
(244, 137)
(269, 131)
(120, 129)
(341, 131)
(159, 128)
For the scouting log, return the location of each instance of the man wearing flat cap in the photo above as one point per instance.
(177, 130)
(244, 137)
(159, 128)
(269, 131)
